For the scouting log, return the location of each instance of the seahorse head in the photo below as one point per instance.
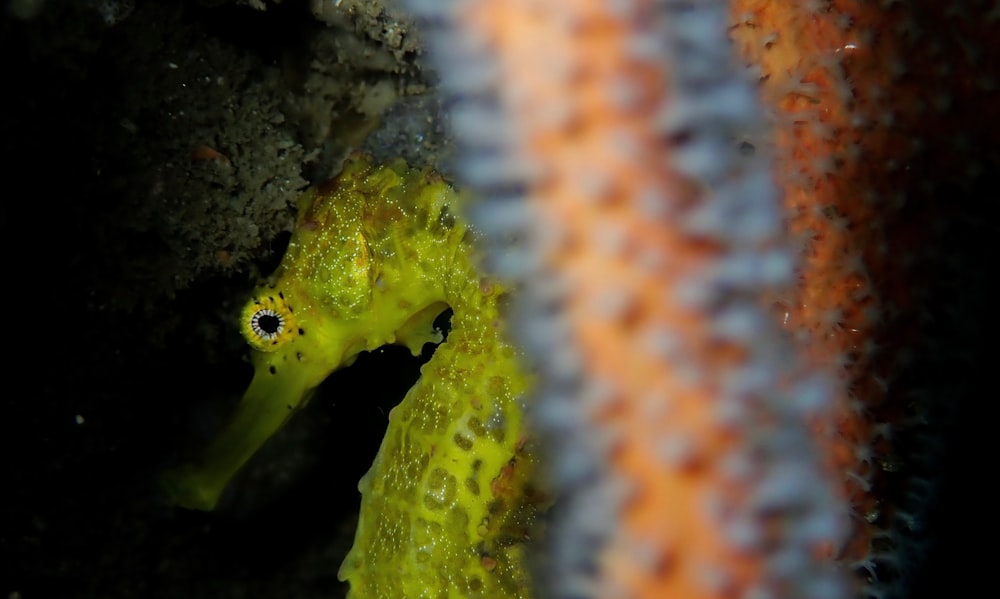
(365, 267)
(365, 259)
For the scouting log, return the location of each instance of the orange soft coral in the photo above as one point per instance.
(720, 425)
(657, 240)
(868, 103)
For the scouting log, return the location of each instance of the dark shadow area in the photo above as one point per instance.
(128, 355)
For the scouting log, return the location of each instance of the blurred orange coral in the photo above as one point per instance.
(715, 259)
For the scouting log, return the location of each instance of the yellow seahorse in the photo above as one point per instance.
(375, 256)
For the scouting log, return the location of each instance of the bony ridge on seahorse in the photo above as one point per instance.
(375, 256)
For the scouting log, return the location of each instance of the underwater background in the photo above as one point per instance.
(152, 152)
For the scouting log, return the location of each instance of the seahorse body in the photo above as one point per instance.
(375, 256)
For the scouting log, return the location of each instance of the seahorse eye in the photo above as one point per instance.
(268, 322)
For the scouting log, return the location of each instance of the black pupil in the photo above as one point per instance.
(269, 323)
